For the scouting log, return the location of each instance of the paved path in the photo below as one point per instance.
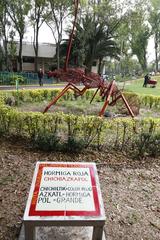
(49, 86)
(7, 87)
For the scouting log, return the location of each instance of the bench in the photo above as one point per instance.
(64, 194)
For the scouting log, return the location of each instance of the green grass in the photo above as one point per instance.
(137, 87)
(79, 106)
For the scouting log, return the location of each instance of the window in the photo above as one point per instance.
(94, 64)
(28, 59)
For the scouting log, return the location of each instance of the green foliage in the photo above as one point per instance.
(46, 141)
(18, 11)
(75, 133)
(15, 78)
(136, 87)
(153, 147)
(95, 35)
(67, 132)
(1, 100)
(47, 94)
(154, 20)
(73, 145)
(139, 33)
(147, 144)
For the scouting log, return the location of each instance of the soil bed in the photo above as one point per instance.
(130, 188)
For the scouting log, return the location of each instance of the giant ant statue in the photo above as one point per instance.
(108, 91)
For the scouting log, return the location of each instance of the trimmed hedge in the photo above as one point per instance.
(58, 131)
(71, 131)
(39, 95)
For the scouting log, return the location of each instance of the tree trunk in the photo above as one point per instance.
(89, 66)
(100, 66)
(36, 48)
(58, 54)
(1, 58)
(90, 57)
(143, 63)
(20, 54)
(5, 43)
(156, 51)
(142, 59)
(6, 54)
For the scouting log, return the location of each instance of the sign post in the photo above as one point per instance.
(17, 89)
(64, 194)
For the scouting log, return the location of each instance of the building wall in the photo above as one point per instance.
(45, 56)
(28, 67)
(46, 50)
(95, 66)
(45, 59)
(44, 63)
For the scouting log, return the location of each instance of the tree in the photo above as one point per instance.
(17, 11)
(91, 42)
(38, 16)
(94, 37)
(139, 35)
(55, 21)
(154, 20)
(4, 23)
(12, 49)
(139, 45)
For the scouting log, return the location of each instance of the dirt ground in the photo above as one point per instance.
(130, 188)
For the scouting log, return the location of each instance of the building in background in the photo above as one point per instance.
(46, 53)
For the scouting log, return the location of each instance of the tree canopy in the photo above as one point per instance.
(105, 28)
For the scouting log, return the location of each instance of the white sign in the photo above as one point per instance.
(65, 190)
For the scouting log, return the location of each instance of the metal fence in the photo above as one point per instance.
(26, 78)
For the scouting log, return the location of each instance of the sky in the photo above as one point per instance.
(45, 35)
(151, 52)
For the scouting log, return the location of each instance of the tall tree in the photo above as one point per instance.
(18, 11)
(91, 42)
(56, 20)
(4, 24)
(154, 20)
(38, 16)
(139, 35)
(99, 25)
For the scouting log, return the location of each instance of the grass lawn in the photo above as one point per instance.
(136, 86)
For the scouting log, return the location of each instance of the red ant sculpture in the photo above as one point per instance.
(89, 80)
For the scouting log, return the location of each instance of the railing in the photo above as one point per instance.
(27, 78)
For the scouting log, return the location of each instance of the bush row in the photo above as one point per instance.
(47, 94)
(65, 132)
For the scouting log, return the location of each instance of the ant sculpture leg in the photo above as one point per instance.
(108, 94)
(94, 95)
(69, 86)
(118, 94)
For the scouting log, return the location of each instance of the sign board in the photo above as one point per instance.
(65, 189)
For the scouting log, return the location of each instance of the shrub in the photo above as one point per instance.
(147, 144)
(133, 101)
(73, 145)
(75, 133)
(11, 101)
(15, 77)
(46, 141)
(48, 94)
(154, 145)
